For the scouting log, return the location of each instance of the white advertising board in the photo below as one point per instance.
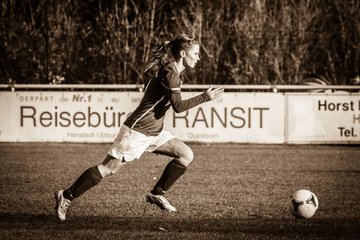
(320, 118)
(97, 116)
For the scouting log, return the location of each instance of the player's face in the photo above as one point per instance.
(191, 56)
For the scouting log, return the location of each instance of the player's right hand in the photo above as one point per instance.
(214, 93)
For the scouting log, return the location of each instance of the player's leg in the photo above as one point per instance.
(182, 157)
(88, 179)
(128, 145)
(92, 176)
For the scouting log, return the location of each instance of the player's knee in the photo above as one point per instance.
(112, 171)
(186, 156)
(110, 168)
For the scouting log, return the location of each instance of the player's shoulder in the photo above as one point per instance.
(169, 77)
(170, 73)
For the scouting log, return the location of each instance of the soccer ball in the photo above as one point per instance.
(303, 204)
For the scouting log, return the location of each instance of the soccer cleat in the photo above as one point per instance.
(62, 205)
(161, 202)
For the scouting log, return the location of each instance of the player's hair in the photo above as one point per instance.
(170, 51)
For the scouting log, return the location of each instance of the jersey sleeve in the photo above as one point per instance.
(172, 86)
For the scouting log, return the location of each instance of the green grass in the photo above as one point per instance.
(230, 191)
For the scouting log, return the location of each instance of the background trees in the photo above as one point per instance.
(243, 41)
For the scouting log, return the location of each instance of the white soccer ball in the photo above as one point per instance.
(303, 204)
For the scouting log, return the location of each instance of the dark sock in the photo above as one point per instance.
(171, 174)
(87, 180)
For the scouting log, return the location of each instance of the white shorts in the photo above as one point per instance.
(130, 144)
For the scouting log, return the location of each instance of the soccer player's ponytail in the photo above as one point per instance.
(160, 55)
(169, 51)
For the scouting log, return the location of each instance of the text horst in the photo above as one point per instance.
(325, 105)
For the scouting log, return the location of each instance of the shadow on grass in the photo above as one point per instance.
(319, 228)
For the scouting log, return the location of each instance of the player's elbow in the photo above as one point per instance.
(178, 108)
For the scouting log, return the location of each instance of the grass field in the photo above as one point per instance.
(230, 191)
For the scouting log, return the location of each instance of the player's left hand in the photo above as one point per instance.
(214, 93)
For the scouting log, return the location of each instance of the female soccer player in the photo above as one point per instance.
(143, 130)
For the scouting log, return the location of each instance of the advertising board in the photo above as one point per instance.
(96, 117)
(241, 117)
(319, 118)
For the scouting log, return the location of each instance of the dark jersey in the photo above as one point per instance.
(161, 91)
